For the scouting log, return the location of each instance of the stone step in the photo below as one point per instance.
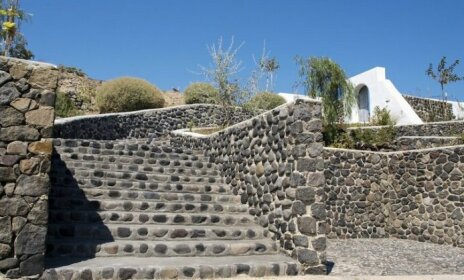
(78, 174)
(124, 268)
(122, 248)
(141, 154)
(123, 144)
(165, 192)
(76, 164)
(116, 216)
(110, 232)
(134, 160)
(113, 184)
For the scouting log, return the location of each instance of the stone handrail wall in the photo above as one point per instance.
(406, 143)
(448, 128)
(430, 110)
(274, 162)
(27, 97)
(143, 124)
(416, 194)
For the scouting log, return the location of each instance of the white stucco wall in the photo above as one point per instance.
(383, 93)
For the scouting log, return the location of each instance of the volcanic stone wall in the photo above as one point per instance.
(143, 124)
(449, 128)
(274, 163)
(27, 97)
(416, 195)
(406, 143)
(430, 110)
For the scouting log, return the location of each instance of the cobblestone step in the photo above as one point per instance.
(135, 160)
(76, 164)
(122, 248)
(124, 144)
(88, 152)
(77, 174)
(124, 268)
(166, 193)
(110, 232)
(116, 216)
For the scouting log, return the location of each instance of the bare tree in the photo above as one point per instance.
(444, 75)
(221, 73)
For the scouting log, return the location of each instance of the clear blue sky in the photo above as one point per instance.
(164, 41)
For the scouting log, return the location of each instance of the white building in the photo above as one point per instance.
(373, 89)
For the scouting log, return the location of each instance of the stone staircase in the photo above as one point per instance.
(140, 209)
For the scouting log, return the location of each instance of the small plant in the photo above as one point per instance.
(382, 116)
(191, 125)
(128, 94)
(265, 101)
(200, 93)
(64, 107)
(71, 69)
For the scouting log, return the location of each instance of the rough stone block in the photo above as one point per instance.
(320, 243)
(301, 241)
(318, 211)
(17, 148)
(24, 104)
(315, 179)
(8, 263)
(34, 185)
(21, 133)
(9, 160)
(43, 116)
(31, 240)
(34, 265)
(39, 213)
(47, 98)
(306, 164)
(19, 70)
(44, 147)
(14, 206)
(4, 77)
(7, 174)
(5, 230)
(44, 78)
(8, 93)
(306, 194)
(9, 116)
(307, 225)
(307, 256)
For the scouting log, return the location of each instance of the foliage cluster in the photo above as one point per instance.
(64, 107)
(264, 101)
(13, 42)
(365, 139)
(128, 94)
(382, 116)
(198, 93)
(71, 69)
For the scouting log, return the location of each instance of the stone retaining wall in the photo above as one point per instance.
(430, 110)
(416, 195)
(449, 128)
(274, 162)
(142, 124)
(406, 143)
(27, 97)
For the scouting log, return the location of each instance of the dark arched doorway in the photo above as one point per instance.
(363, 105)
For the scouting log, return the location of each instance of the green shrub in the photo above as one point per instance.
(265, 101)
(382, 117)
(128, 94)
(198, 93)
(64, 107)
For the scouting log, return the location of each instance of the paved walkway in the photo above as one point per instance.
(393, 257)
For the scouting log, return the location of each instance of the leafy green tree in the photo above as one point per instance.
(444, 75)
(13, 42)
(323, 78)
